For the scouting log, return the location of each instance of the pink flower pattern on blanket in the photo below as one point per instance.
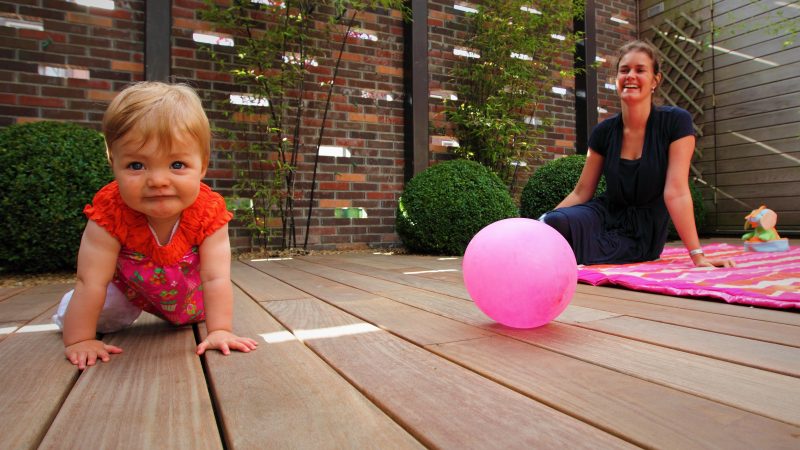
(759, 278)
(173, 292)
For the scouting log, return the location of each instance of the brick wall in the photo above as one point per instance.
(365, 118)
(611, 35)
(66, 61)
(60, 60)
(447, 29)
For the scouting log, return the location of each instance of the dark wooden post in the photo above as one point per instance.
(585, 82)
(416, 89)
(157, 39)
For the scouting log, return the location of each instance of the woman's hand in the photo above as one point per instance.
(700, 260)
(85, 353)
(224, 341)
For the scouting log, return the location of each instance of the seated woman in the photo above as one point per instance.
(644, 152)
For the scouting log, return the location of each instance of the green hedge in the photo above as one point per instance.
(48, 172)
(550, 183)
(443, 207)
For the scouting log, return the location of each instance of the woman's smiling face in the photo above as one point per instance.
(636, 79)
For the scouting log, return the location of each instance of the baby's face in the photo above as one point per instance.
(156, 182)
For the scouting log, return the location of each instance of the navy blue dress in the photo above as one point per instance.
(629, 222)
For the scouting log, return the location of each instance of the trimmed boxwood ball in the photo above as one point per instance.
(550, 183)
(48, 172)
(444, 206)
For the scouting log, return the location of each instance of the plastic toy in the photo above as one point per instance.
(764, 237)
(520, 272)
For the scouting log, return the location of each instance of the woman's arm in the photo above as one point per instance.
(215, 273)
(678, 199)
(587, 184)
(97, 260)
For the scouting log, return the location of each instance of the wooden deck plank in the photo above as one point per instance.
(735, 326)
(6, 292)
(365, 270)
(442, 404)
(578, 314)
(363, 265)
(427, 261)
(260, 288)
(758, 391)
(416, 297)
(6, 328)
(449, 277)
(380, 311)
(642, 412)
(694, 304)
(402, 263)
(388, 314)
(727, 319)
(283, 396)
(773, 357)
(379, 261)
(388, 351)
(270, 267)
(648, 414)
(153, 393)
(32, 302)
(444, 305)
(36, 378)
(770, 394)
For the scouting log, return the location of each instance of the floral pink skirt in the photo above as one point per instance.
(173, 292)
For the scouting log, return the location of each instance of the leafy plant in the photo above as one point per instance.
(277, 47)
(550, 183)
(445, 205)
(48, 172)
(498, 116)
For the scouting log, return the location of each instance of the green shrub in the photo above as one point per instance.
(550, 183)
(48, 172)
(443, 207)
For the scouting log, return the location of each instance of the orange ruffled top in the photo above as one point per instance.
(200, 220)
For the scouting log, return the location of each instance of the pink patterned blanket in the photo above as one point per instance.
(761, 279)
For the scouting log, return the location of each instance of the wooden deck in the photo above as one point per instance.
(387, 351)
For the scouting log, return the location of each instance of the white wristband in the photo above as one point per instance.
(697, 251)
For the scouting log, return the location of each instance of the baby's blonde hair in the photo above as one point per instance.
(158, 110)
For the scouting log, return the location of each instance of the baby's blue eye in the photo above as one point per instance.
(178, 165)
(136, 166)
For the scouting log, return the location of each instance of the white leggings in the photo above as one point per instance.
(118, 312)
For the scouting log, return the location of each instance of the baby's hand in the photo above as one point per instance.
(85, 353)
(224, 341)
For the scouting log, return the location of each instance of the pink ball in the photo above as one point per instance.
(520, 272)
